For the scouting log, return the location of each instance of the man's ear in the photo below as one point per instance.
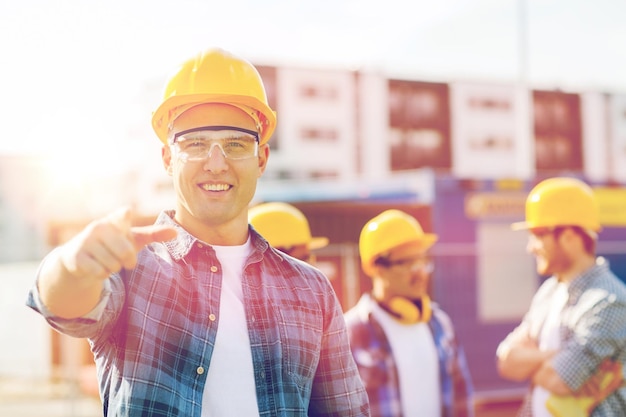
(264, 154)
(568, 237)
(166, 157)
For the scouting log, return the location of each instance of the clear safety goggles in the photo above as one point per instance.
(422, 263)
(197, 144)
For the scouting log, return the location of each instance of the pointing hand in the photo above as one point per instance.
(109, 244)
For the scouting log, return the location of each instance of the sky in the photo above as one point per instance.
(73, 71)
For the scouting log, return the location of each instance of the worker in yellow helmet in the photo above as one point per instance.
(404, 344)
(197, 315)
(571, 344)
(287, 229)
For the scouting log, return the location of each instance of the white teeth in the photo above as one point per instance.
(215, 187)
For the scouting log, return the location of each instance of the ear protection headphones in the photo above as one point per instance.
(409, 311)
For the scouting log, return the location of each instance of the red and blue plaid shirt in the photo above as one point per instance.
(378, 369)
(154, 334)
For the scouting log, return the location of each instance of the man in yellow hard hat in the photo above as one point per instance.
(571, 344)
(197, 315)
(287, 229)
(403, 343)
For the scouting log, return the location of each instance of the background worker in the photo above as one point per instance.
(287, 229)
(403, 342)
(577, 318)
(207, 319)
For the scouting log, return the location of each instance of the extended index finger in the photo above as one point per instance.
(121, 218)
(144, 235)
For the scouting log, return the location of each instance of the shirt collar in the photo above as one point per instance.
(584, 280)
(182, 244)
(184, 241)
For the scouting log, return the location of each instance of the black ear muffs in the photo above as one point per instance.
(410, 311)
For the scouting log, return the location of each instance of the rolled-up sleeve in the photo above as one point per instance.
(597, 334)
(73, 327)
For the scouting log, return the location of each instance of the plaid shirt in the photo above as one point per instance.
(374, 357)
(154, 337)
(593, 327)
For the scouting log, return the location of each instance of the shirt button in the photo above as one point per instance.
(200, 370)
(212, 317)
(200, 245)
(213, 268)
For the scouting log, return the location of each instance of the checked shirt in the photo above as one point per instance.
(592, 328)
(372, 352)
(153, 333)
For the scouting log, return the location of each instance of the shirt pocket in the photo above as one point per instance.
(301, 332)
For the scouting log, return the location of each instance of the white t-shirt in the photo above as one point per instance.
(230, 388)
(549, 340)
(417, 363)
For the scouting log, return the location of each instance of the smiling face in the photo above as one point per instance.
(212, 195)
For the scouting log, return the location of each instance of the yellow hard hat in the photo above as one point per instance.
(215, 76)
(390, 229)
(283, 225)
(561, 201)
